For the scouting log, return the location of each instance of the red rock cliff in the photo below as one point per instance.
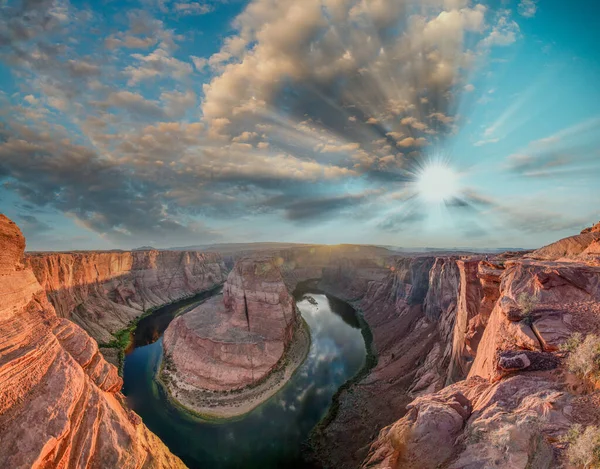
(520, 398)
(59, 400)
(104, 291)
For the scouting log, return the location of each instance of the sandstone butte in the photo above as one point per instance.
(465, 377)
(235, 342)
(60, 404)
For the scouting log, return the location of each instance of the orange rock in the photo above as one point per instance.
(58, 396)
(233, 341)
(105, 291)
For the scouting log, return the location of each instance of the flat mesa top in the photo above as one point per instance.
(211, 320)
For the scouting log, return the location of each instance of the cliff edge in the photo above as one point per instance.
(60, 404)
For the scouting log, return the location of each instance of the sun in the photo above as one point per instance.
(437, 182)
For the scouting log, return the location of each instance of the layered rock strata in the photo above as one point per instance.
(235, 342)
(520, 399)
(104, 292)
(59, 399)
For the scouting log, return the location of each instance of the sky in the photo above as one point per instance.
(430, 123)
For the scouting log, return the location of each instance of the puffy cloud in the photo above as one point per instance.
(177, 103)
(527, 8)
(192, 8)
(199, 63)
(309, 103)
(504, 32)
(332, 148)
(412, 142)
(135, 104)
(158, 63)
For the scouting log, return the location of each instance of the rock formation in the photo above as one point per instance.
(467, 365)
(104, 291)
(60, 404)
(520, 399)
(584, 247)
(232, 342)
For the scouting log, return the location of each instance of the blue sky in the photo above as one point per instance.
(434, 123)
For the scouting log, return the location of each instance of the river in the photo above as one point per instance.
(271, 435)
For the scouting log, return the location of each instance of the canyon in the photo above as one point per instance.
(104, 292)
(466, 363)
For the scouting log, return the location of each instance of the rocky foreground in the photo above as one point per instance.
(60, 404)
(229, 354)
(481, 362)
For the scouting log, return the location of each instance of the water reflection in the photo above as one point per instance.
(271, 435)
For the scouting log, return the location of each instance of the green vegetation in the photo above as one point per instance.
(584, 356)
(122, 339)
(572, 343)
(528, 304)
(584, 446)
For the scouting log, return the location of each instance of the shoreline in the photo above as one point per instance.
(371, 359)
(114, 351)
(235, 404)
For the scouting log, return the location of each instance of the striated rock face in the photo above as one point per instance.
(59, 400)
(410, 306)
(104, 291)
(234, 341)
(583, 246)
(259, 299)
(520, 399)
(476, 424)
(559, 298)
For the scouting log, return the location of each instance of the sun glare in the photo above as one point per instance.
(437, 182)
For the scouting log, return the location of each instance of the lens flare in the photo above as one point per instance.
(437, 182)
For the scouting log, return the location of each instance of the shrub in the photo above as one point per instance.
(584, 450)
(572, 343)
(527, 304)
(584, 359)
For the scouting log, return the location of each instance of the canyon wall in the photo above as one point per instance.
(514, 318)
(410, 305)
(60, 404)
(104, 291)
(468, 358)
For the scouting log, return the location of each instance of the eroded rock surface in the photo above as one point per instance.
(59, 399)
(583, 246)
(236, 341)
(104, 291)
(520, 399)
(477, 424)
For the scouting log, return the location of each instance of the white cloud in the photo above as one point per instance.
(527, 8)
(159, 63)
(199, 62)
(487, 141)
(332, 148)
(504, 32)
(192, 8)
